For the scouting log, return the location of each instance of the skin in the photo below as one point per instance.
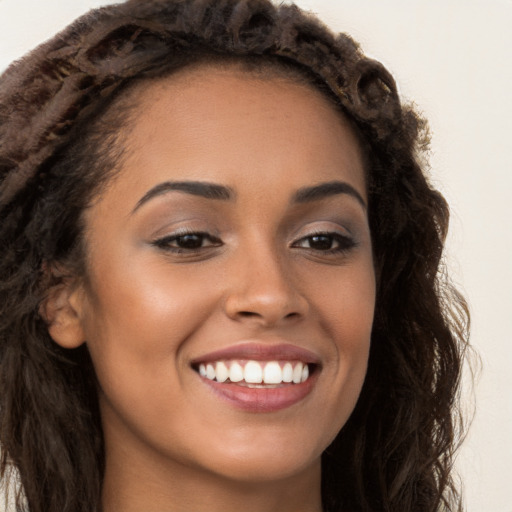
(146, 311)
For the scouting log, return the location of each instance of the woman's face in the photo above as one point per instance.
(234, 244)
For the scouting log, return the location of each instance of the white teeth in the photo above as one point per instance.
(305, 373)
(297, 373)
(210, 372)
(287, 372)
(236, 373)
(253, 374)
(221, 372)
(272, 374)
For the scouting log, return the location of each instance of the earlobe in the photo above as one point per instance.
(62, 312)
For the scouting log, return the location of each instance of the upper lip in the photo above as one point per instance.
(261, 352)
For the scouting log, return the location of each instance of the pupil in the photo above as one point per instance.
(190, 241)
(321, 242)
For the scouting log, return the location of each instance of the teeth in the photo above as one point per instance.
(272, 374)
(305, 373)
(297, 373)
(236, 373)
(221, 372)
(210, 372)
(287, 372)
(255, 372)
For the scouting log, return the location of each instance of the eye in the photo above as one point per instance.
(187, 242)
(325, 242)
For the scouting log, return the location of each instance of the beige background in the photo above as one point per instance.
(453, 58)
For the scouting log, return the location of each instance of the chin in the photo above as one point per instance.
(258, 469)
(271, 456)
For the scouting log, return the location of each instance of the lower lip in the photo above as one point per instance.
(262, 399)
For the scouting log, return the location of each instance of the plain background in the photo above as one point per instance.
(453, 59)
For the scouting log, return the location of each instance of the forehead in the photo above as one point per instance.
(223, 124)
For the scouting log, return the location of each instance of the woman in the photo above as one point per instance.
(221, 286)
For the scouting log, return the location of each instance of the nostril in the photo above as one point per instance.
(247, 314)
(269, 309)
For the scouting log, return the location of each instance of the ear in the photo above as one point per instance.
(62, 311)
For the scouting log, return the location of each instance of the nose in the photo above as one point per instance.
(263, 290)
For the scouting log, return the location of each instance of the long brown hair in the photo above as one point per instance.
(59, 145)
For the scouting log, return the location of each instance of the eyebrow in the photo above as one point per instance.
(195, 188)
(328, 189)
(223, 193)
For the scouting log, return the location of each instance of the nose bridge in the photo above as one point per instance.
(262, 284)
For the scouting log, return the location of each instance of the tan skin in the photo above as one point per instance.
(262, 269)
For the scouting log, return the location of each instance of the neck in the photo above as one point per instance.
(129, 488)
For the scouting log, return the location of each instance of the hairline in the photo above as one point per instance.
(259, 68)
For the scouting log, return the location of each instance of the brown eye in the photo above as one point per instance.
(192, 241)
(325, 242)
(187, 242)
(321, 242)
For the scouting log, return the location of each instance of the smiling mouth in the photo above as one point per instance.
(259, 377)
(256, 374)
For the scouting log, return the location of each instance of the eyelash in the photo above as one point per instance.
(165, 242)
(344, 243)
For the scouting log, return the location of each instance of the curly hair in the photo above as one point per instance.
(59, 145)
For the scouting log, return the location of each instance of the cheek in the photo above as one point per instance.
(346, 304)
(136, 324)
(346, 312)
(137, 320)
(144, 297)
